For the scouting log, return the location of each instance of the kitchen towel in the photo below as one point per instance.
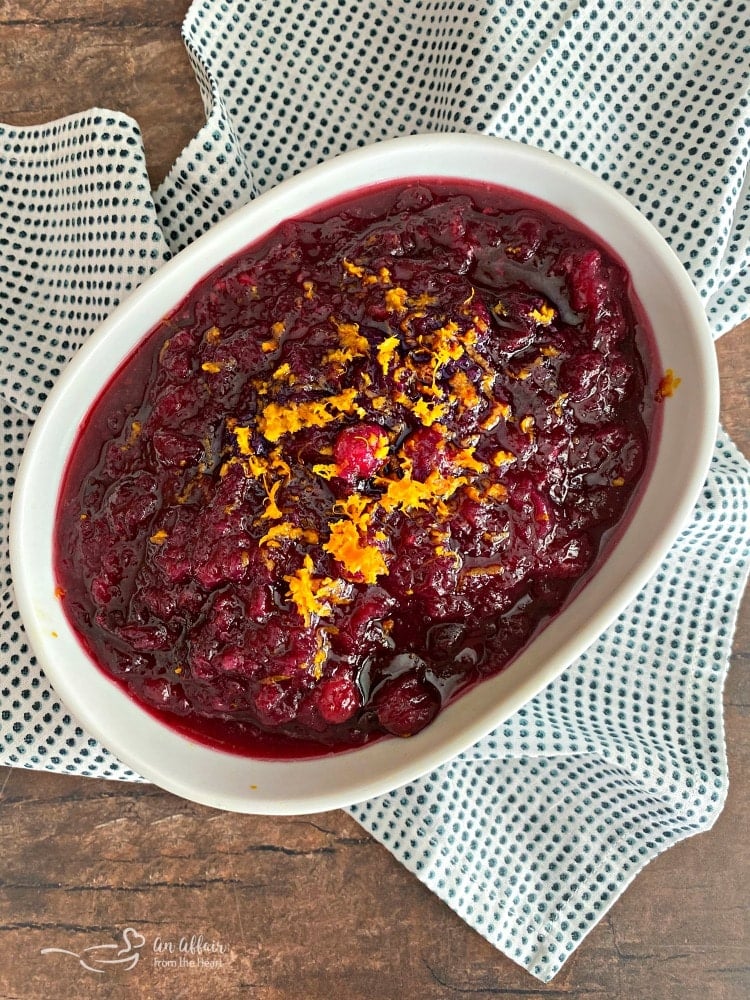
(534, 832)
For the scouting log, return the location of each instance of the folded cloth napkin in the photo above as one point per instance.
(534, 832)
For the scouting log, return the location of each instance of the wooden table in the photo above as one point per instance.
(301, 908)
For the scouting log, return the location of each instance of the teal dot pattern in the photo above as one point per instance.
(532, 833)
(78, 230)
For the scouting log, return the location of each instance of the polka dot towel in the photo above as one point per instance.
(533, 833)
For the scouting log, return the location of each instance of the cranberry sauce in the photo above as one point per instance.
(356, 469)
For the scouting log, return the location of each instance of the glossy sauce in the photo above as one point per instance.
(357, 468)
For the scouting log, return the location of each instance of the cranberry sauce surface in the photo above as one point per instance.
(356, 469)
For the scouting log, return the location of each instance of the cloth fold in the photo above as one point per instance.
(534, 832)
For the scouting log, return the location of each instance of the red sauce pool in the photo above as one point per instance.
(356, 469)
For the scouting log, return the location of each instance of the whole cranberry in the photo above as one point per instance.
(404, 705)
(338, 699)
(360, 451)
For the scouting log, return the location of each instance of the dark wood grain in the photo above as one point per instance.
(304, 908)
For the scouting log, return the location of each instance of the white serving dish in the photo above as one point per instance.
(683, 452)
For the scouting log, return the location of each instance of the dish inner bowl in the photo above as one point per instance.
(358, 468)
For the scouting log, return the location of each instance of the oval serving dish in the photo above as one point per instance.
(681, 451)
